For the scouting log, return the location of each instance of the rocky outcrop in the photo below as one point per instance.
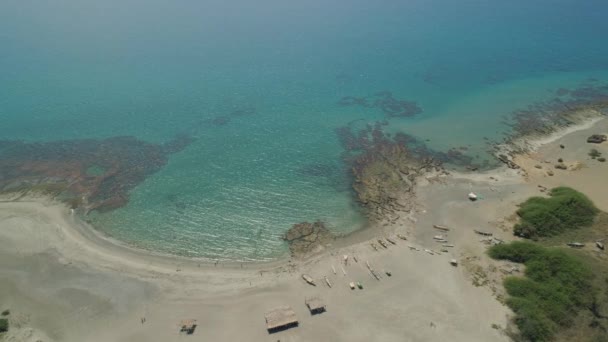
(596, 139)
(90, 174)
(307, 238)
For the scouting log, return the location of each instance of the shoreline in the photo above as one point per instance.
(82, 231)
(53, 262)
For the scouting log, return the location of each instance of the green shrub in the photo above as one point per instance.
(565, 209)
(3, 325)
(6, 312)
(557, 286)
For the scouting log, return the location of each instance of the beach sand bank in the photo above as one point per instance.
(64, 282)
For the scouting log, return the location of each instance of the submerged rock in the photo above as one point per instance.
(88, 173)
(596, 139)
(306, 238)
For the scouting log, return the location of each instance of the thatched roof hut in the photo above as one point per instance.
(315, 305)
(280, 318)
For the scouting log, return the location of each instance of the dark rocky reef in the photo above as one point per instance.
(89, 174)
(307, 238)
(385, 167)
(570, 106)
(386, 102)
(546, 117)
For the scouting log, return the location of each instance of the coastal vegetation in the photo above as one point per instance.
(565, 209)
(3, 325)
(563, 295)
(557, 286)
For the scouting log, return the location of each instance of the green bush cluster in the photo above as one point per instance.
(557, 286)
(3, 325)
(565, 209)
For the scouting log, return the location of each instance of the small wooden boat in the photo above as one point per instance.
(345, 259)
(382, 243)
(388, 273)
(482, 233)
(447, 245)
(401, 237)
(327, 282)
(308, 279)
(391, 241)
(439, 237)
(576, 244)
(454, 262)
(599, 245)
(352, 285)
(440, 227)
(359, 286)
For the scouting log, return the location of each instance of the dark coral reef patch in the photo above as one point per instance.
(386, 102)
(90, 174)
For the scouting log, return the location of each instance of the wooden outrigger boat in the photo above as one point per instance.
(391, 241)
(382, 243)
(482, 233)
(327, 282)
(401, 237)
(309, 279)
(440, 227)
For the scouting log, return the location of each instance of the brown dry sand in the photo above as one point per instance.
(64, 282)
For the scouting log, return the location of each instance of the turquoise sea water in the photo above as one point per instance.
(153, 69)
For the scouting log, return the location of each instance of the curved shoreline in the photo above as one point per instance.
(52, 264)
(81, 232)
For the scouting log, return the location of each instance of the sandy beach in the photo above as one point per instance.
(64, 282)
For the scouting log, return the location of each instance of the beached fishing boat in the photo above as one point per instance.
(308, 279)
(440, 227)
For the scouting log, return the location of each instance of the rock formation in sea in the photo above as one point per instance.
(570, 106)
(307, 238)
(386, 102)
(385, 167)
(88, 173)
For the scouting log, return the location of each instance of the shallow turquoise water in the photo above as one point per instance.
(153, 69)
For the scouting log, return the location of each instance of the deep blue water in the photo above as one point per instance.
(152, 69)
